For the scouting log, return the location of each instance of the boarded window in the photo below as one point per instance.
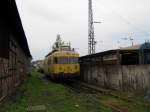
(130, 59)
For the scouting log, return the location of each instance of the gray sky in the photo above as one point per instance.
(44, 19)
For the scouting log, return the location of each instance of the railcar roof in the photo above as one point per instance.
(62, 52)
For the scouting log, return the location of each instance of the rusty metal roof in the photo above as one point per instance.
(99, 54)
(123, 49)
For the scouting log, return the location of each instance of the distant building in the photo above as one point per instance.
(38, 65)
(132, 55)
(14, 51)
(141, 54)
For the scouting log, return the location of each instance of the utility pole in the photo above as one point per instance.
(91, 39)
(131, 39)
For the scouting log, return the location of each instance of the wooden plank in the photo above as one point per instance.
(39, 108)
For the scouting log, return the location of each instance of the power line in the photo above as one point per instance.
(128, 22)
(132, 25)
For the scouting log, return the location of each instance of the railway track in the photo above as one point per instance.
(70, 85)
(84, 87)
(78, 87)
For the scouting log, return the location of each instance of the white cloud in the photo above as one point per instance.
(44, 19)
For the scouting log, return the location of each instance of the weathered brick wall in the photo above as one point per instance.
(3, 77)
(128, 78)
(13, 70)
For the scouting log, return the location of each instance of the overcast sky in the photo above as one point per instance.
(44, 19)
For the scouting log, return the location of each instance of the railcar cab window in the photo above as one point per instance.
(66, 60)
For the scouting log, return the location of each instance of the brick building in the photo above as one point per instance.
(14, 51)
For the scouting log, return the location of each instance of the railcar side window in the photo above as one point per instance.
(70, 60)
(49, 61)
(73, 60)
(56, 60)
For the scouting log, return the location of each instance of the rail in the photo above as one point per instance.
(84, 86)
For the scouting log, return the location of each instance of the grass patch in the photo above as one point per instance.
(57, 98)
(124, 105)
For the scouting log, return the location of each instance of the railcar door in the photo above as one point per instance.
(146, 56)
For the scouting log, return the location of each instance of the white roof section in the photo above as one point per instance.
(134, 47)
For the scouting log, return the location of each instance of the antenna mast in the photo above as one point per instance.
(91, 40)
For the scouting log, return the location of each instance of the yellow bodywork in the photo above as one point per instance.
(52, 68)
(64, 68)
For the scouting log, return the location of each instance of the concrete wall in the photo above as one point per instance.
(129, 78)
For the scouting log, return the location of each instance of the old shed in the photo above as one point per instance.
(14, 51)
(122, 69)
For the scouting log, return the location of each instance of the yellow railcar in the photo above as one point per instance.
(62, 64)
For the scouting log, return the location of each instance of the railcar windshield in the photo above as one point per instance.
(66, 60)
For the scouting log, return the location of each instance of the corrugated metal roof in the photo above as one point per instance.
(123, 49)
(99, 54)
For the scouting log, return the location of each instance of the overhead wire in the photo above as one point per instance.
(129, 22)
